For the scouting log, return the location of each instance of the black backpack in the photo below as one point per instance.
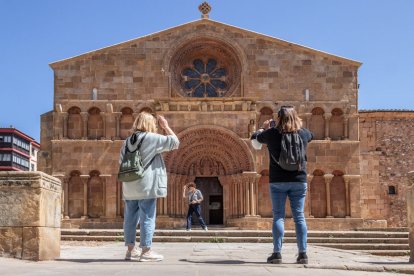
(292, 152)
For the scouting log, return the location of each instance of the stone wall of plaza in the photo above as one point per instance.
(98, 94)
(387, 150)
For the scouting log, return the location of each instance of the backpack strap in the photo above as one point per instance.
(139, 145)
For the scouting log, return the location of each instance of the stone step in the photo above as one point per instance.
(328, 241)
(365, 246)
(387, 252)
(384, 229)
(242, 233)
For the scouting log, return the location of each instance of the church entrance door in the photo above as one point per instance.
(212, 205)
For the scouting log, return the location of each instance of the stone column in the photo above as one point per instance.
(410, 213)
(66, 198)
(85, 116)
(309, 178)
(104, 116)
(347, 180)
(307, 116)
(117, 123)
(85, 179)
(327, 117)
(30, 215)
(346, 126)
(328, 179)
(65, 125)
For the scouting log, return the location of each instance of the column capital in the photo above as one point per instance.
(327, 116)
(328, 177)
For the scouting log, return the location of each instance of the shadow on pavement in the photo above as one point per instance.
(223, 262)
(93, 260)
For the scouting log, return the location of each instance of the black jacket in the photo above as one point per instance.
(272, 138)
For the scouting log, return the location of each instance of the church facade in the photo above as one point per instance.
(215, 84)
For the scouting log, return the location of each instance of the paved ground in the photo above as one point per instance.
(248, 259)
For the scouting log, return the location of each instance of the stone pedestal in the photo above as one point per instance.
(410, 213)
(30, 213)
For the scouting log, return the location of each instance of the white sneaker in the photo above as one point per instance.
(151, 256)
(134, 254)
(189, 229)
(205, 229)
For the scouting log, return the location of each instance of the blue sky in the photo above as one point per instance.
(33, 34)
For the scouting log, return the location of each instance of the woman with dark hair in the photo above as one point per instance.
(286, 142)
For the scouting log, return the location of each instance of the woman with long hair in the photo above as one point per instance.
(287, 142)
(141, 195)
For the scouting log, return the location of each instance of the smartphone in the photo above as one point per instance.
(272, 123)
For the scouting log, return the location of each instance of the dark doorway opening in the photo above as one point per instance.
(212, 205)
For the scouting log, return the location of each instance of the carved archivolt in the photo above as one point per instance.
(209, 151)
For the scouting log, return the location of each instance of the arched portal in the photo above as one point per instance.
(215, 155)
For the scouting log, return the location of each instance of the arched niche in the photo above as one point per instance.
(95, 123)
(336, 124)
(317, 123)
(266, 113)
(74, 123)
(95, 195)
(126, 122)
(338, 195)
(263, 197)
(75, 195)
(318, 195)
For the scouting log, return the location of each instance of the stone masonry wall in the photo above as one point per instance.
(387, 155)
(30, 214)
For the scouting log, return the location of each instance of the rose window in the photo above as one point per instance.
(205, 79)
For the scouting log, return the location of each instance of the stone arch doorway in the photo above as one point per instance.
(222, 163)
(212, 205)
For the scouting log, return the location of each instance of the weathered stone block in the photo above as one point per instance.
(11, 242)
(30, 212)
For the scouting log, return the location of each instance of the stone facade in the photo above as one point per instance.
(30, 215)
(215, 84)
(410, 212)
(387, 150)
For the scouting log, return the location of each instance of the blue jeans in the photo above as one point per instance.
(197, 209)
(143, 212)
(296, 191)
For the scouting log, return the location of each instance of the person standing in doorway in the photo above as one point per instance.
(141, 195)
(287, 142)
(194, 198)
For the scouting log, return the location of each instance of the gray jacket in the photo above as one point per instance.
(154, 182)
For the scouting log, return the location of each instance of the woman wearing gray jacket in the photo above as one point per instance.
(141, 195)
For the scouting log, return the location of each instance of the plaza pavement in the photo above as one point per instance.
(199, 259)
